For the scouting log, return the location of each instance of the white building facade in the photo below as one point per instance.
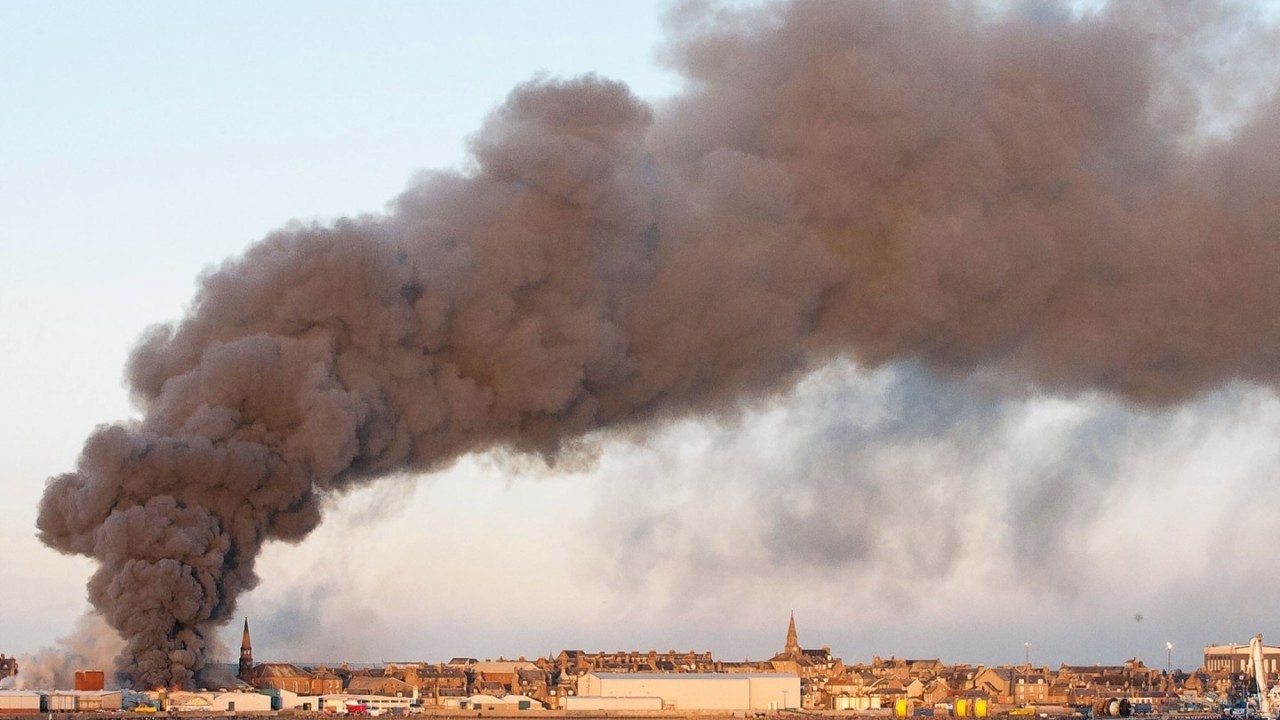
(697, 691)
(1235, 658)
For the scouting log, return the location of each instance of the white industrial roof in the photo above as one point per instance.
(688, 676)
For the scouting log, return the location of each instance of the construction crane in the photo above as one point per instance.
(1266, 703)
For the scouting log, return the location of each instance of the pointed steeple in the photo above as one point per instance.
(793, 644)
(246, 654)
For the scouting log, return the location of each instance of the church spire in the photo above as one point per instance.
(793, 644)
(246, 654)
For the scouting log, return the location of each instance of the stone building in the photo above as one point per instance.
(324, 682)
(815, 667)
(385, 685)
(8, 666)
(280, 676)
(1234, 658)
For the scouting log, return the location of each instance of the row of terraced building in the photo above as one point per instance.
(826, 681)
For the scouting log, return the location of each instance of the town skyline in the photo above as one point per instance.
(47, 667)
(792, 641)
(823, 680)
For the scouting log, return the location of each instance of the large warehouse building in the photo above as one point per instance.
(694, 691)
(1235, 658)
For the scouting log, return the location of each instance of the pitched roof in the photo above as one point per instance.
(362, 683)
(502, 666)
(280, 670)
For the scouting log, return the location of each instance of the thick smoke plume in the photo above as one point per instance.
(1031, 195)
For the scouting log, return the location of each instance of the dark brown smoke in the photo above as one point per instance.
(1031, 194)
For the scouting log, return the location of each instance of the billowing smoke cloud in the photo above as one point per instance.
(92, 645)
(910, 515)
(1030, 197)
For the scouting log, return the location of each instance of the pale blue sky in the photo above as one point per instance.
(143, 142)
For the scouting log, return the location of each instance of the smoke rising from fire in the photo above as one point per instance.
(91, 645)
(1027, 196)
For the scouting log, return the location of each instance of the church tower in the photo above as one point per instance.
(793, 644)
(246, 655)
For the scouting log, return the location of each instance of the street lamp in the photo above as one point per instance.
(1027, 646)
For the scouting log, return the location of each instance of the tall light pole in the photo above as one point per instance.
(1169, 646)
(1027, 646)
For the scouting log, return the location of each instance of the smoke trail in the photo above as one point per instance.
(92, 645)
(1025, 194)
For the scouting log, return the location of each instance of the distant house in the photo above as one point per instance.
(1030, 689)
(280, 676)
(884, 692)
(501, 677)
(959, 677)
(925, 668)
(8, 666)
(936, 691)
(386, 686)
(324, 682)
(995, 683)
(815, 666)
(435, 682)
(1059, 693)
(573, 662)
